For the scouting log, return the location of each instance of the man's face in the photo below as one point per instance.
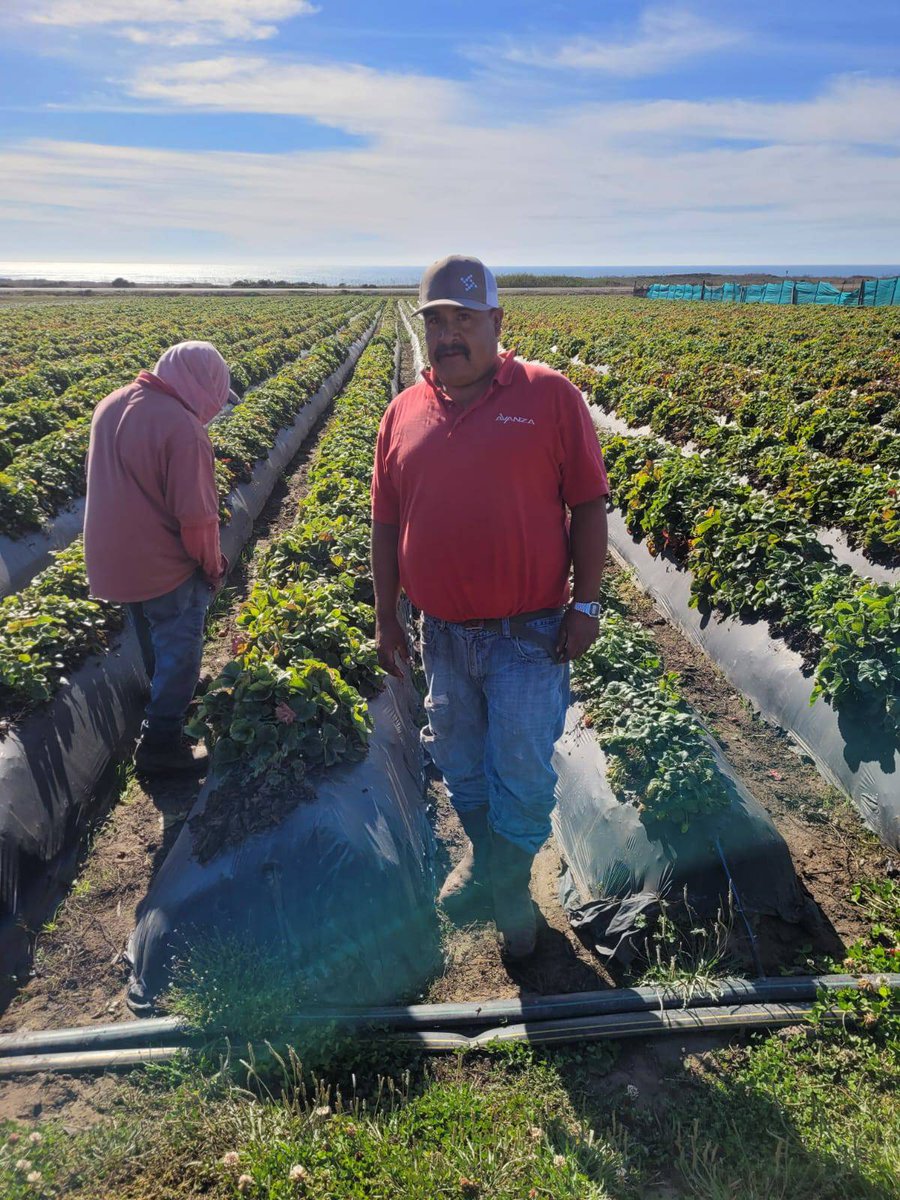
(462, 343)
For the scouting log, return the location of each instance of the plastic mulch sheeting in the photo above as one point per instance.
(854, 755)
(618, 865)
(22, 558)
(343, 885)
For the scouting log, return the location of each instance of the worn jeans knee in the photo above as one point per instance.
(454, 738)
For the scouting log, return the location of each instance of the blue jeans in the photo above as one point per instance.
(496, 706)
(170, 632)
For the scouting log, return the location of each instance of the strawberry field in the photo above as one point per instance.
(759, 452)
(755, 568)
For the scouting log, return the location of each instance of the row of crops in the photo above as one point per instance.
(46, 402)
(763, 426)
(350, 847)
(305, 660)
(53, 624)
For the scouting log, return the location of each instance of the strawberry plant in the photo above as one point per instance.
(262, 717)
(659, 757)
(309, 620)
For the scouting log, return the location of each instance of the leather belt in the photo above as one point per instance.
(495, 624)
(518, 627)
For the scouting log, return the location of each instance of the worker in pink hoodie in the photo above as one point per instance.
(151, 531)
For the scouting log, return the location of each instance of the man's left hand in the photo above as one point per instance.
(577, 633)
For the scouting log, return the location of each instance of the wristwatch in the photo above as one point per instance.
(590, 610)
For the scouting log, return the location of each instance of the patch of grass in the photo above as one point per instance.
(800, 1115)
(683, 954)
(515, 1138)
(511, 1135)
(811, 1114)
(245, 999)
(81, 887)
(220, 606)
(229, 984)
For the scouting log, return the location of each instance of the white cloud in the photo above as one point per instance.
(170, 22)
(664, 37)
(354, 98)
(852, 110)
(793, 181)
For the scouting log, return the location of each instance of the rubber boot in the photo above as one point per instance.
(466, 894)
(513, 906)
(172, 755)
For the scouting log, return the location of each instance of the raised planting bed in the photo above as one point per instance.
(755, 559)
(847, 747)
(648, 808)
(310, 835)
(807, 405)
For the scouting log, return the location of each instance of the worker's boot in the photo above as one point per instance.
(466, 894)
(171, 754)
(513, 906)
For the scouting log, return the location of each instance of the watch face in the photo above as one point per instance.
(592, 609)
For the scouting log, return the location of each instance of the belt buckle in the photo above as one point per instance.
(473, 624)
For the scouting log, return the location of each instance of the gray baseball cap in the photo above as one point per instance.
(459, 280)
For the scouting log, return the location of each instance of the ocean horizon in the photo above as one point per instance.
(396, 275)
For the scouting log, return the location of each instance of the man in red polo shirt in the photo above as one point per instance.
(488, 485)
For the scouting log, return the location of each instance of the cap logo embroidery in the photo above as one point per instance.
(468, 282)
(515, 420)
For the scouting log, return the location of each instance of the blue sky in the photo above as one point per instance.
(268, 130)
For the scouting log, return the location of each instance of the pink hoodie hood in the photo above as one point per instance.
(198, 375)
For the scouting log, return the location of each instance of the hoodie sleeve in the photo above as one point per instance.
(192, 500)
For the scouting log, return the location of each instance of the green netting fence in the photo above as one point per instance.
(787, 291)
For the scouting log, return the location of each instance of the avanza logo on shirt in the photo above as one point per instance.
(514, 420)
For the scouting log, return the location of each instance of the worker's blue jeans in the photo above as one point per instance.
(496, 705)
(170, 632)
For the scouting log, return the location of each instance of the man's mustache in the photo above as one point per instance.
(453, 350)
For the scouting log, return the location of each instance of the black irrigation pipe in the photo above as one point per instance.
(714, 1019)
(621, 1012)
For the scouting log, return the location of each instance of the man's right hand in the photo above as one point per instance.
(391, 641)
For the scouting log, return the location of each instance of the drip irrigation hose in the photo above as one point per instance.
(620, 1012)
(616, 1025)
(433, 1041)
(754, 949)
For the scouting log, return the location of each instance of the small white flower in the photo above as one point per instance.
(559, 1160)
(534, 1133)
(632, 1092)
(23, 1164)
(244, 1182)
(324, 1110)
(297, 1173)
(34, 1177)
(231, 1159)
(35, 1138)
